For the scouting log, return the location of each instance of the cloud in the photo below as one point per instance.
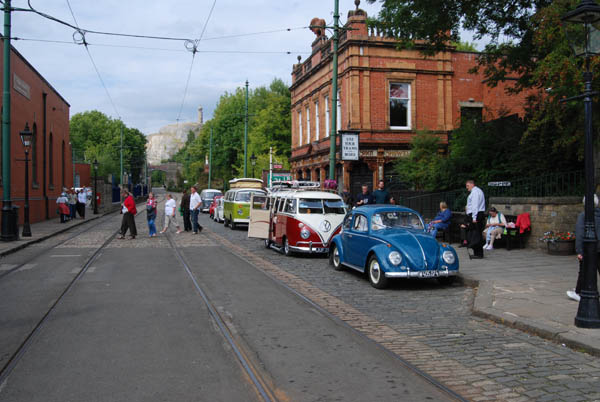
(147, 85)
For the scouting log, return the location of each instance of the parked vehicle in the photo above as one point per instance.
(213, 205)
(390, 242)
(297, 220)
(236, 205)
(218, 214)
(206, 197)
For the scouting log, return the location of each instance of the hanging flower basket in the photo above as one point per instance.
(559, 243)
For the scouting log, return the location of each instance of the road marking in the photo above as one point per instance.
(27, 267)
(65, 255)
(7, 267)
(77, 270)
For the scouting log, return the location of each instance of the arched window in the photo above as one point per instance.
(51, 160)
(62, 163)
(34, 158)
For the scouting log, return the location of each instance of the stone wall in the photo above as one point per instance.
(548, 213)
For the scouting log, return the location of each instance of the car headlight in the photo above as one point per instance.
(448, 257)
(304, 233)
(395, 258)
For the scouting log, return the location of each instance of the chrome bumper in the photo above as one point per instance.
(309, 247)
(420, 274)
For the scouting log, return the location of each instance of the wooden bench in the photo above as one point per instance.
(514, 239)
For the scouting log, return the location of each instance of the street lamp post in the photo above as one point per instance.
(253, 161)
(584, 38)
(95, 186)
(26, 136)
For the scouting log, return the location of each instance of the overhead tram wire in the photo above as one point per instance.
(84, 31)
(194, 50)
(94, 63)
(65, 42)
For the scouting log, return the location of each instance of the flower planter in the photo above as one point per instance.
(561, 247)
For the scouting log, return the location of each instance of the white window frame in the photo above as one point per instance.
(408, 106)
(307, 124)
(327, 116)
(299, 127)
(317, 128)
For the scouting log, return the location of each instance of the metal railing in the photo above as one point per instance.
(552, 185)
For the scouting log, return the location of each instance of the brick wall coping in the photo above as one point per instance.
(536, 200)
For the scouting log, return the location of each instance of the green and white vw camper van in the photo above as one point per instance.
(236, 204)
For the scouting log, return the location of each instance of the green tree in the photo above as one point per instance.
(98, 137)
(421, 166)
(269, 125)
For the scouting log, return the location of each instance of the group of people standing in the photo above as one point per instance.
(379, 196)
(70, 203)
(189, 208)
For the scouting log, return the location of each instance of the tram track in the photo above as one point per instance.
(250, 368)
(13, 360)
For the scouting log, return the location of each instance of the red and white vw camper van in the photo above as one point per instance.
(297, 220)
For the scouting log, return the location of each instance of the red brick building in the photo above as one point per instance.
(386, 95)
(36, 103)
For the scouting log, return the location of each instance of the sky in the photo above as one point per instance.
(143, 81)
(146, 79)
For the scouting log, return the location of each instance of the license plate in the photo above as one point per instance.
(428, 274)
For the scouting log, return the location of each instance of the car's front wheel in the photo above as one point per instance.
(376, 275)
(286, 247)
(232, 224)
(334, 258)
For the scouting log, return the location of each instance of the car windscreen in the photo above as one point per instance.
(310, 206)
(209, 195)
(244, 196)
(396, 219)
(334, 207)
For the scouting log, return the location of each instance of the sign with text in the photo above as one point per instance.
(350, 150)
(499, 183)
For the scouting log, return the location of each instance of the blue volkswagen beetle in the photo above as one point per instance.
(389, 241)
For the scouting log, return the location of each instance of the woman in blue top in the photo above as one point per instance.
(441, 220)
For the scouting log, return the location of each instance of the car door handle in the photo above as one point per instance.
(350, 236)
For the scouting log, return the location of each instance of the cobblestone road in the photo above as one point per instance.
(432, 328)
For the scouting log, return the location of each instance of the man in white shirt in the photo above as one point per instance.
(81, 201)
(195, 204)
(476, 210)
(170, 215)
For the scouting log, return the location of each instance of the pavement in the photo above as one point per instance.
(520, 288)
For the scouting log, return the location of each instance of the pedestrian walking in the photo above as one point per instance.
(170, 215)
(72, 203)
(81, 200)
(63, 207)
(195, 203)
(185, 209)
(151, 214)
(574, 294)
(128, 210)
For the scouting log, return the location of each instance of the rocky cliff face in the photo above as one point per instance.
(170, 139)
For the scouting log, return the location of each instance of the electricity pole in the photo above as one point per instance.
(9, 220)
(246, 134)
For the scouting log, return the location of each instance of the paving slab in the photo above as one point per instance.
(526, 289)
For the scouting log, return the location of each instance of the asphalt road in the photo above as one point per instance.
(135, 328)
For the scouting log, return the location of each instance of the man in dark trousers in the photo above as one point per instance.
(185, 208)
(365, 197)
(381, 196)
(476, 211)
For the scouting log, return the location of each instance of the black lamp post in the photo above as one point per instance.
(584, 38)
(95, 187)
(253, 161)
(26, 136)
